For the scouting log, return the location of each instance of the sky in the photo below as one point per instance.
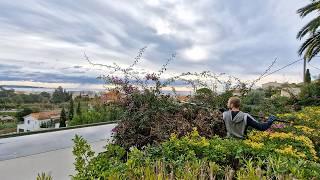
(42, 43)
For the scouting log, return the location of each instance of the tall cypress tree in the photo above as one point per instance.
(71, 110)
(307, 77)
(78, 111)
(63, 118)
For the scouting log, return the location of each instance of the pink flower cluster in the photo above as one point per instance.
(116, 80)
(152, 77)
(278, 126)
(129, 89)
(114, 130)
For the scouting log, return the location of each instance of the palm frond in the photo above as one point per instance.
(315, 52)
(315, 5)
(306, 44)
(310, 47)
(311, 28)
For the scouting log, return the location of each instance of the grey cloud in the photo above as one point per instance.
(241, 37)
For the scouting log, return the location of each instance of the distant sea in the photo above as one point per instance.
(50, 90)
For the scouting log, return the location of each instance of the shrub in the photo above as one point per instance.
(104, 114)
(150, 119)
(193, 156)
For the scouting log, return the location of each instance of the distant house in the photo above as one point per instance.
(37, 121)
(290, 91)
(183, 99)
(113, 96)
(236, 92)
(83, 94)
(271, 85)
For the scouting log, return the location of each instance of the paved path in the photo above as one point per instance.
(23, 157)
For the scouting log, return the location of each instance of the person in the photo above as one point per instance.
(237, 122)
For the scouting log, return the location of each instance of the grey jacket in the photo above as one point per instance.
(236, 126)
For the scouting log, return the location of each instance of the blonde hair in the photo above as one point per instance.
(235, 101)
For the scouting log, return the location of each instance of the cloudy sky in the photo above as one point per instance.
(42, 42)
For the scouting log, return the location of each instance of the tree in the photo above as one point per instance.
(71, 110)
(63, 118)
(60, 95)
(45, 94)
(204, 91)
(78, 111)
(24, 112)
(204, 95)
(311, 46)
(307, 77)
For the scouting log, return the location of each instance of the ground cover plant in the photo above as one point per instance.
(195, 157)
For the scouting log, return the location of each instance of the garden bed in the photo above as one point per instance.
(283, 152)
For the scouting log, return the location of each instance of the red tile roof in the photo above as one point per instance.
(45, 115)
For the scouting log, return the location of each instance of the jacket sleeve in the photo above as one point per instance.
(261, 126)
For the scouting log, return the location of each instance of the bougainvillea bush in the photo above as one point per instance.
(151, 119)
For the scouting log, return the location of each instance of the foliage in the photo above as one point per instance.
(255, 102)
(310, 46)
(307, 76)
(71, 110)
(305, 122)
(103, 114)
(78, 110)
(44, 176)
(63, 118)
(11, 97)
(150, 118)
(60, 95)
(222, 99)
(8, 125)
(195, 157)
(270, 91)
(24, 112)
(310, 94)
(254, 97)
(160, 138)
(82, 151)
(310, 90)
(204, 95)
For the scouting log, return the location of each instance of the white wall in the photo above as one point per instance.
(31, 124)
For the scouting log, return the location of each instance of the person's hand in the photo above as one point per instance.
(272, 118)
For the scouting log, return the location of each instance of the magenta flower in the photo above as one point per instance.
(278, 126)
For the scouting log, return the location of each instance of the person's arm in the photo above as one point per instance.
(260, 126)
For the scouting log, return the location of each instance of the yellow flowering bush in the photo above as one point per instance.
(308, 116)
(285, 143)
(305, 123)
(289, 150)
(305, 129)
(254, 145)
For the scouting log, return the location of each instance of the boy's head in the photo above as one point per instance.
(234, 102)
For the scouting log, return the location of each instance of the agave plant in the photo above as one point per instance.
(44, 176)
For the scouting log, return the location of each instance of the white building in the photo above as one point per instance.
(37, 121)
(271, 85)
(290, 91)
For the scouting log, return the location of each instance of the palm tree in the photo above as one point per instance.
(311, 46)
